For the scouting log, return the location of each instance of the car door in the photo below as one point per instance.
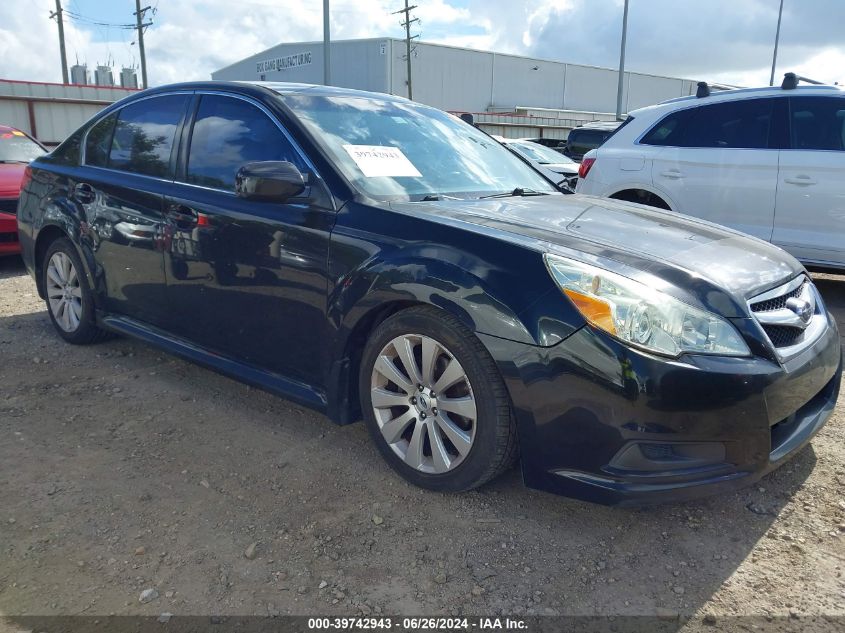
(128, 161)
(716, 164)
(247, 278)
(810, 210)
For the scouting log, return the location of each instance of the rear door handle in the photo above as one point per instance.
(671, 173)
(801, 179)
(182, 215)
(84, 193)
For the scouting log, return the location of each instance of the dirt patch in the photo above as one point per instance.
(125, 470)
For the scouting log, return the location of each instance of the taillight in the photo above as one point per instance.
(27, 177)
(584, 169)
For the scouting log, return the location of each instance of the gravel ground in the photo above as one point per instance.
(135, 483)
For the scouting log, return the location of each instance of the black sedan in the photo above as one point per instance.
(371, 257)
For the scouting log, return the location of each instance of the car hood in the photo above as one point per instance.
(696, 261)
(11, 175)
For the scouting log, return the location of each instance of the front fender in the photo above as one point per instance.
(452, 281)
(416, 279)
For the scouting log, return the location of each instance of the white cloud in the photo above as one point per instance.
(722, 40)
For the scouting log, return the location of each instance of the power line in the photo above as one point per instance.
(407, 24)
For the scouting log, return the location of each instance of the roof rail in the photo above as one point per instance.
(790, 81)
(704, 89)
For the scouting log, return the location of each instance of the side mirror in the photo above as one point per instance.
(272, 181)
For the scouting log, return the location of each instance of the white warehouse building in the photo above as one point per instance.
(460, 79)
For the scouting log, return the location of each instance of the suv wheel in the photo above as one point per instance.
(70, 303)
(434, 402)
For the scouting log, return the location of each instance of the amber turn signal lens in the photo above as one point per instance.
(596, 311)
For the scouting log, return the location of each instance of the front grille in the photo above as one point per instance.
(782, 324)
(8, 238)
(9, 205)
(783, 336)
(778, 302)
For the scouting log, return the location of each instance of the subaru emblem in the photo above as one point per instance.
(801, 308)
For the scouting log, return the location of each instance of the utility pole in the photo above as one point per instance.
(60, 20)
(140, 26)
(620, 86)
(327, 53)
(777, 38)
(407, 24)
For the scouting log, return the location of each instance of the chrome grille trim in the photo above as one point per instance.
(787, 333)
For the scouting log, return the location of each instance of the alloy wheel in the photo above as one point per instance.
(63, 292)
(423, 403)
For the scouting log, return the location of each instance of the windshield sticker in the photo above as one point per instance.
(382, 161)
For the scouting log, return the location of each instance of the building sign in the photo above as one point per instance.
(283, 63)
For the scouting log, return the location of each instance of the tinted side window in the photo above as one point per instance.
(228, 133)
(144, 134)
(68, 152)
(735, 124)
(670, 130)
(817, 123)
(99, 141)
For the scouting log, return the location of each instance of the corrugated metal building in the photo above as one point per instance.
(50, 112)
(458, 79)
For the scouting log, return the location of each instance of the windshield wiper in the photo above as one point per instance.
(434, 197)
(519, 191)
(14, 160)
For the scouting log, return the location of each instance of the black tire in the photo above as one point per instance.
(494, 447)
(87, 331)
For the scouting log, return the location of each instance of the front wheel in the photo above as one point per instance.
(435, 403)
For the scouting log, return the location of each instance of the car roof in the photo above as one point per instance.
(280, 88)
(599, 125)
(718, 96)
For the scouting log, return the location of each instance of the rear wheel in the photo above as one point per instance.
(70, 303)
(435, 403)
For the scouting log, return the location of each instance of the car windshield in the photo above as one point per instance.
(399, 150)
(539, 153)
(17, 147)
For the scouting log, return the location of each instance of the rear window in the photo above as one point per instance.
(741, 124)
(98, 142)
(818, 123)
(582, 141)
(144, 135)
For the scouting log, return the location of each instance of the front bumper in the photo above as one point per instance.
(602, 422)
(9, 244)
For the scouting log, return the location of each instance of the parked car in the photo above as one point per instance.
(589, 136)
(557, 167)
(766, 161)
(556, 144)
(16, 150)
(372, 257)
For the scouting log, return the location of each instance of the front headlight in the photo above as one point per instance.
(642, 316)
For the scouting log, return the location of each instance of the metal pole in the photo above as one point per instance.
(622, 63)
(139, 14)
(777, 39)
(60, 20)
(408, 47)
(327, 55)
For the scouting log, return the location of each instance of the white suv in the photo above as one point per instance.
(765, 161)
